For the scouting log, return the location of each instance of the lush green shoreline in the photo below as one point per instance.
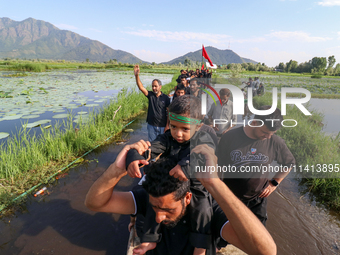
(27, 161)
(310, 146)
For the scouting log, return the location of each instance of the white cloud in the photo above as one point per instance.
(329, 3)
(338, 35)
(168, 36)
(67, 27)
(297, 36)
(152, 56)
(95, 30)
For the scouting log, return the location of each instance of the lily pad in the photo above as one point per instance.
(33, 116)
(41, 122)
(92, 105)
(31, 125)
(12, 117)
(46, 127)
(81, 113)
(60, 116)
(3, 135)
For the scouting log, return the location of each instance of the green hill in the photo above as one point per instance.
(217, 56)
(32, 39)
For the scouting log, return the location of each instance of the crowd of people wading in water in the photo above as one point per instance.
(177, 206)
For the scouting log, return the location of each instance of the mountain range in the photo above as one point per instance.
(33, 39)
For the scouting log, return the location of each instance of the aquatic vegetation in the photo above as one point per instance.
(27, 160)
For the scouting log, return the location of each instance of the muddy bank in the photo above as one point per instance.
(59, 223)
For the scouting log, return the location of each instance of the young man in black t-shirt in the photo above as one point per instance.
(158, 103)
(248, 152)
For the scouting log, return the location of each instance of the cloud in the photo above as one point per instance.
(152, 56)
(67, 27)
(338, 35)
(183, 36)
(329, 3)
(272, 57)
(297, 36)
(95, 30)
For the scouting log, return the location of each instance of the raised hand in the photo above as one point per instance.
(136, 70)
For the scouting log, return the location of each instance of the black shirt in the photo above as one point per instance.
(157, 109)
(238, 150)
(175, 241)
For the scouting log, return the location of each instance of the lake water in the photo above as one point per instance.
(51, 96)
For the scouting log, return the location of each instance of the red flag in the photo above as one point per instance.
(202, 68)
(205, 55)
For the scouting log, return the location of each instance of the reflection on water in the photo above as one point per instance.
(330, 109)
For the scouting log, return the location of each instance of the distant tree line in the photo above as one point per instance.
(316, 65)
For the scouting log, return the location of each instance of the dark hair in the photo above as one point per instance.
(224, 92)
(180, 86)
(194, 79)
(186, 105)
(158, 182)
(159, 81)
(271, 125)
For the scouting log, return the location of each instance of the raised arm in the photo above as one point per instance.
(138, 81)
(101, 196)
(243, 230)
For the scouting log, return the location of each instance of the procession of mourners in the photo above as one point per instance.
(182, 203)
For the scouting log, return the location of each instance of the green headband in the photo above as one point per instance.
(183, 119)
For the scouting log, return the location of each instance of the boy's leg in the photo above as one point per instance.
(201, 211)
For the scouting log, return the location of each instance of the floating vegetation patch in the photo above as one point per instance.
(61, 116)
(3, 135)
(32, 116)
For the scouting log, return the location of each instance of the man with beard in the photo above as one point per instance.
(168, 199)
(223, 112)
(158, 103)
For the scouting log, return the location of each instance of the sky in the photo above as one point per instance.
(267, 31)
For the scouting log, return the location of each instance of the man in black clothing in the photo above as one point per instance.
(169, 198)
(158, 103)
(249, 151)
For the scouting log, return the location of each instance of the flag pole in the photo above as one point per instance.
(202, 56)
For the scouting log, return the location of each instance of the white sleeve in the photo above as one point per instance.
(134, 200)
(222, 229)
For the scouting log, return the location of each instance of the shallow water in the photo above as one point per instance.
(330, 108)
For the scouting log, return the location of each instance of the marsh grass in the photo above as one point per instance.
(310, 146)
(28, 160)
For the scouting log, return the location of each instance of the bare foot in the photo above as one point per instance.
(143, 248)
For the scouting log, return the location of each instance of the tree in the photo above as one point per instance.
(87, 60)
(281, 66)
(337, 69)
(331, 61)
(291, 66)
(319, 64)
(187, 62)
(305, 67)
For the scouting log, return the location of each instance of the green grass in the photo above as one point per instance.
(29, 160)
(310, 146)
